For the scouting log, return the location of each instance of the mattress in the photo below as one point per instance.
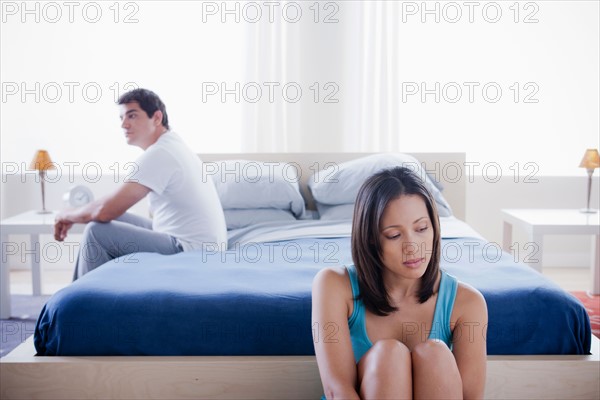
(255, 298)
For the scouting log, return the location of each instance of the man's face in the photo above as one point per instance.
(138, 127)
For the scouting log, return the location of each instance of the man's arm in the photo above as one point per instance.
(102, 210)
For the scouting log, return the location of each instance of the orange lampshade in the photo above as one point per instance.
(41, 161)
(590, 160)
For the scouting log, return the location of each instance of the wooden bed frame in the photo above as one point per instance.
(25, 376)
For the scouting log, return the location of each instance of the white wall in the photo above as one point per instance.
(485, 199)
(174, 51)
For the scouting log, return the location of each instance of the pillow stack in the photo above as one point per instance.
(252, 192)
(335, 188)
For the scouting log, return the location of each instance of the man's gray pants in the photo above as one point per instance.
(130, 233)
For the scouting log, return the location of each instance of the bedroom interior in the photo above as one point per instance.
(295, 376)
(497, 102)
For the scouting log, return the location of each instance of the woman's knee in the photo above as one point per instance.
(434, 355)
(434, 358)
(432, 350)
(387, 353)
(385, 371)
(391, 347)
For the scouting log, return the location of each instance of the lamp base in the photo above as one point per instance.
(44, 212)
(588, 211)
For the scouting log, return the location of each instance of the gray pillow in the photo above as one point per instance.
(236, 218)
(244, 184)
(342, 211)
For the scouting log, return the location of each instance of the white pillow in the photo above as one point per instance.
(244, 184)
(339, 183)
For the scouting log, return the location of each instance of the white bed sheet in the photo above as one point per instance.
(452, 227)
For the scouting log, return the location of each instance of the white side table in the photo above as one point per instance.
(33, 224)
(539, 222)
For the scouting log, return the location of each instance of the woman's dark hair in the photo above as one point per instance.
(148, 101)
(374, 195)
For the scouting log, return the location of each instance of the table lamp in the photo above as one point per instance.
(590, 161)
(41, 162)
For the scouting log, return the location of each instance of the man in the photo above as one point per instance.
(186, 210)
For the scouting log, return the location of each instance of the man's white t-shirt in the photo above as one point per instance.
(183, 203)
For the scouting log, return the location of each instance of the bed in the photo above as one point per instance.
(165, 328)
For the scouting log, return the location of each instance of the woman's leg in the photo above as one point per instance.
(384, 372)
(435, 374)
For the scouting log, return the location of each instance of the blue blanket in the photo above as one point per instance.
(256, 300)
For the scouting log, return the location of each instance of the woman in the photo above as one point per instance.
(394, 325)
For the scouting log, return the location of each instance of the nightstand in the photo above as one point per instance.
(538, 222)
(30, 223)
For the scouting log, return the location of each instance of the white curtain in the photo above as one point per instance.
(548, 78)
(375, 52)
(265, 122)
(358, 54)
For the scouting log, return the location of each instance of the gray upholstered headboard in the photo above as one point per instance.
(447, 168)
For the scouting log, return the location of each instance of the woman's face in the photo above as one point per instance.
(406, 236)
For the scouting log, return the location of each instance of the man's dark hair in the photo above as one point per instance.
(148, 101)
(374, 195)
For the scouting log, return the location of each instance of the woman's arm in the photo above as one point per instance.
(331, 292)
(469, 340)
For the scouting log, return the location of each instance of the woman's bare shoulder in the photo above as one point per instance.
(334, 277)
(468, 299)
(332, 285)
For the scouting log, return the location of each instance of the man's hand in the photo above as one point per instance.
(61, 226)
(102, 210)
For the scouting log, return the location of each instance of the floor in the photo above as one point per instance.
(570, 279)
(52, 280)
